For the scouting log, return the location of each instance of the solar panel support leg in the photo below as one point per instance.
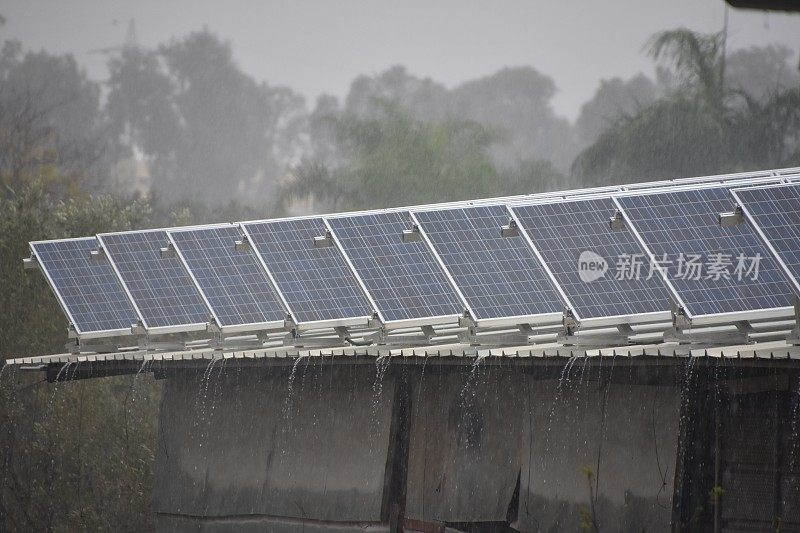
(73, 346)
(146, 344)
(295, 338)
(794, 336)
(710, 338)
(76, 347)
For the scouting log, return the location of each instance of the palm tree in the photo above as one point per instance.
(698, 61)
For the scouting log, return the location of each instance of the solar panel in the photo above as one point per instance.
(498, 276)
(162, 290)
(316, 281)
(233, 282)
(403, 278)
(683, 227)
(88, 289)
(776, 211)
(582, 251)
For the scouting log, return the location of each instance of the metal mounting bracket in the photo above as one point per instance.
(374, 321)
(76, 347)
(98, 255)
(617, 221)
(466, 320)
(378, 337)
(30, 263)
(732, 218)
(324, 241)
(242, 244)
(569, 322)
(412, 235)
(168, 251)
(212, 326)
(680, 320)
(595, 339)
(146, 344)
(510, 230)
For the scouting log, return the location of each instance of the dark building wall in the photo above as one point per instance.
(344, 447)
(247, 445)
(740, 466)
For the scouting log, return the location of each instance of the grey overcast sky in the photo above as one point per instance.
(320, 46)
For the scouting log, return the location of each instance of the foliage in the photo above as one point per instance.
(698, 63)
(211, 132)
(667, 139)
(514, 103)
(75, 456)
(760, 72)
(613, 100)
(51, 122)
(702, 127)
(395, 159)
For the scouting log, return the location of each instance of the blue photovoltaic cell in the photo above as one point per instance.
(404, 279)
(316, 282)
(776, 210)
(498, 276)
(235, 284)
(681, 223)
(89, 289)
(160, 286)
(565, 231)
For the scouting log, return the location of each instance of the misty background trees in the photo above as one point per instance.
(180, 134)
(182, 123)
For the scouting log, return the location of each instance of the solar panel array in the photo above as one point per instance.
(403, 278)
(567, 233)
(164, 293)
(776, 211)
(499, 277)
(87, 287)
(682, 229)
(233, 282)
(316, 281)
(553, 252)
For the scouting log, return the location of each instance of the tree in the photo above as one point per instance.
(51, 122)
(209, 131)
(515, 102)
(52, 434)
(667, 139)
(761, 72)
(613, 100)
(698, 65)
(424, 99)
(394, 159)
(701, 127)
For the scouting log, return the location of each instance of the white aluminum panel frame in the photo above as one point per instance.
(387, 324)
(711, 318)
(160, 330)
(276, 325)
(760, 232)
(611, 320)
(352, 267)
(539, 319)
(81, 335)
(308, 324)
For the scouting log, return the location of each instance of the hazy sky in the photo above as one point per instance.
(320, 46)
